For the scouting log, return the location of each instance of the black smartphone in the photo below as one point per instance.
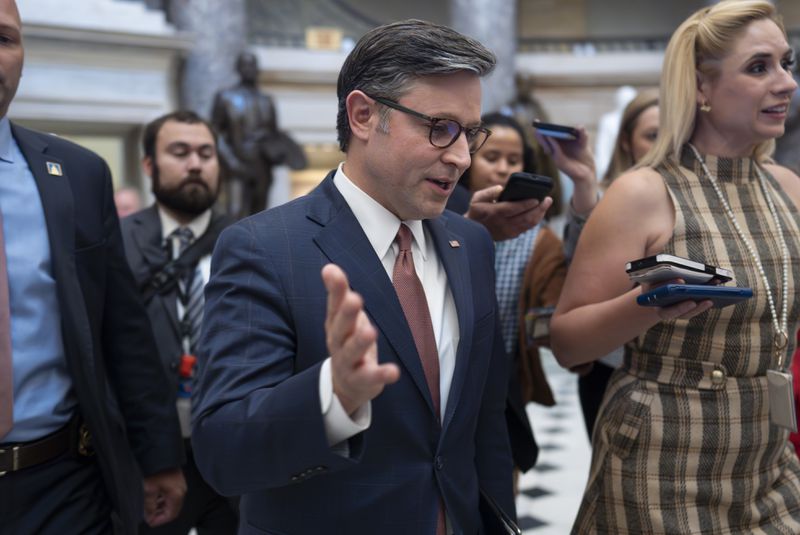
(670, 294)
(558, 131)
(664, 267)
(521, 186)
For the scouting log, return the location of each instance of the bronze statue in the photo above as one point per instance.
(250, 143)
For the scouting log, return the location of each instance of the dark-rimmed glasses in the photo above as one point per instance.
(444, 132)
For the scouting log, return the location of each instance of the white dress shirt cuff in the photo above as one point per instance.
(339, 426)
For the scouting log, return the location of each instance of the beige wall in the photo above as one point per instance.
(552, 18)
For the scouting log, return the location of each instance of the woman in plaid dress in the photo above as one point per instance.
(684, 442)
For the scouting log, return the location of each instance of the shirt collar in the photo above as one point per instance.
(379, 224)
(6, 141)
(169, 224)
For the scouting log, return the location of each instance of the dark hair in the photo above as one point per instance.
(152, 128)
(499, 119)
(387, 59)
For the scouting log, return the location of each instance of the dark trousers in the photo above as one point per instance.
(203, 509)
(65, 495)
(591, 388)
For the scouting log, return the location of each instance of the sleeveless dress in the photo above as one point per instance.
(683, 443)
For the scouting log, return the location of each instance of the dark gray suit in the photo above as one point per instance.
(145, 251)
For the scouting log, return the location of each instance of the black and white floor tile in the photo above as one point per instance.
(551, 492)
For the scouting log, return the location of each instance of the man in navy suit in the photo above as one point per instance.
(317, 398)
(92, 408)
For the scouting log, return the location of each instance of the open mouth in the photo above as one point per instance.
(780, 109)
(444, 185)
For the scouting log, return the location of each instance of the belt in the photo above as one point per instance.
(14, 457)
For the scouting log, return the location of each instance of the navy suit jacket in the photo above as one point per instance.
(258, 427)
(122, 391)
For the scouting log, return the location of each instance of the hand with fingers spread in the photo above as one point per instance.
(352, 345)
(505, 220)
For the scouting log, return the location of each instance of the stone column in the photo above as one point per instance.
(219, 36)
(493, 23)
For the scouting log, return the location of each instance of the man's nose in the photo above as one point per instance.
(193, 160)
(458, 153)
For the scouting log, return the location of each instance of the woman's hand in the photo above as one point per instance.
(575, 159)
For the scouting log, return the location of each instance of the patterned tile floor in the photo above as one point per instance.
(550, 493)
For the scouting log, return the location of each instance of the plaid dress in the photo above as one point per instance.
(683, 443)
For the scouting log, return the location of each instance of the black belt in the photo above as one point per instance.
(14, 457)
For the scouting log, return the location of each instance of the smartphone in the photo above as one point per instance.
(521, 186)
(669, 294)
(664, 267)
(557, 131)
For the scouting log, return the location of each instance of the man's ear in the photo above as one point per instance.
(361, 113)
(147, 165)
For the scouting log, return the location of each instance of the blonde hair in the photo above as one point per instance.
(622, 158)
(703, 39)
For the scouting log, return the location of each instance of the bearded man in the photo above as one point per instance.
(168, 247)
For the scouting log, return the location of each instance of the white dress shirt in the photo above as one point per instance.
(381, 227)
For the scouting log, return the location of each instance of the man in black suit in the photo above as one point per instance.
(91, 410)
(180, 155)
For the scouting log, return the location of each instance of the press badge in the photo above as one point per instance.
(781, 400)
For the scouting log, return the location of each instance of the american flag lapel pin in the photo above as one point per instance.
(54, 169)
(454, 244)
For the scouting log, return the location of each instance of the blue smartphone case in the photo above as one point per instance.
(670, 294)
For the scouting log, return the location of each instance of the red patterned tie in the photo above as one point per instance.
(415, 307)
(6, 374)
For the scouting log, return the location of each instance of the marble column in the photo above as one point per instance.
(220, 34)
(493, 23)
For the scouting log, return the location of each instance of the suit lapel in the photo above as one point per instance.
(343, 241)
(151, 247)
(454, 260)
(55, 194)
(57, 200)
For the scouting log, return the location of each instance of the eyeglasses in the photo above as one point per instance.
(444, 132)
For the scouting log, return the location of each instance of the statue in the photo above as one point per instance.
(250, 143)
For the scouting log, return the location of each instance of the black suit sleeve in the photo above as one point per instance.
(145, 395)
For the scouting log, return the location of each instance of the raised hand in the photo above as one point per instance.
(352, 345)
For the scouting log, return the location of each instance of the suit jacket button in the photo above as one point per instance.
(438, 462)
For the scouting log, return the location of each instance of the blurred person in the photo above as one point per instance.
(127, 200)
(88, 411)
(169, 244)
(369, 399)
(687, 440)
(636, 136)
(530, 270)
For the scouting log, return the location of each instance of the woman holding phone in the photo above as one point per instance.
(530, 271)
(692, 434)
(637, 134)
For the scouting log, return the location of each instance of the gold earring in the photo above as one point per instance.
(704, 107)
